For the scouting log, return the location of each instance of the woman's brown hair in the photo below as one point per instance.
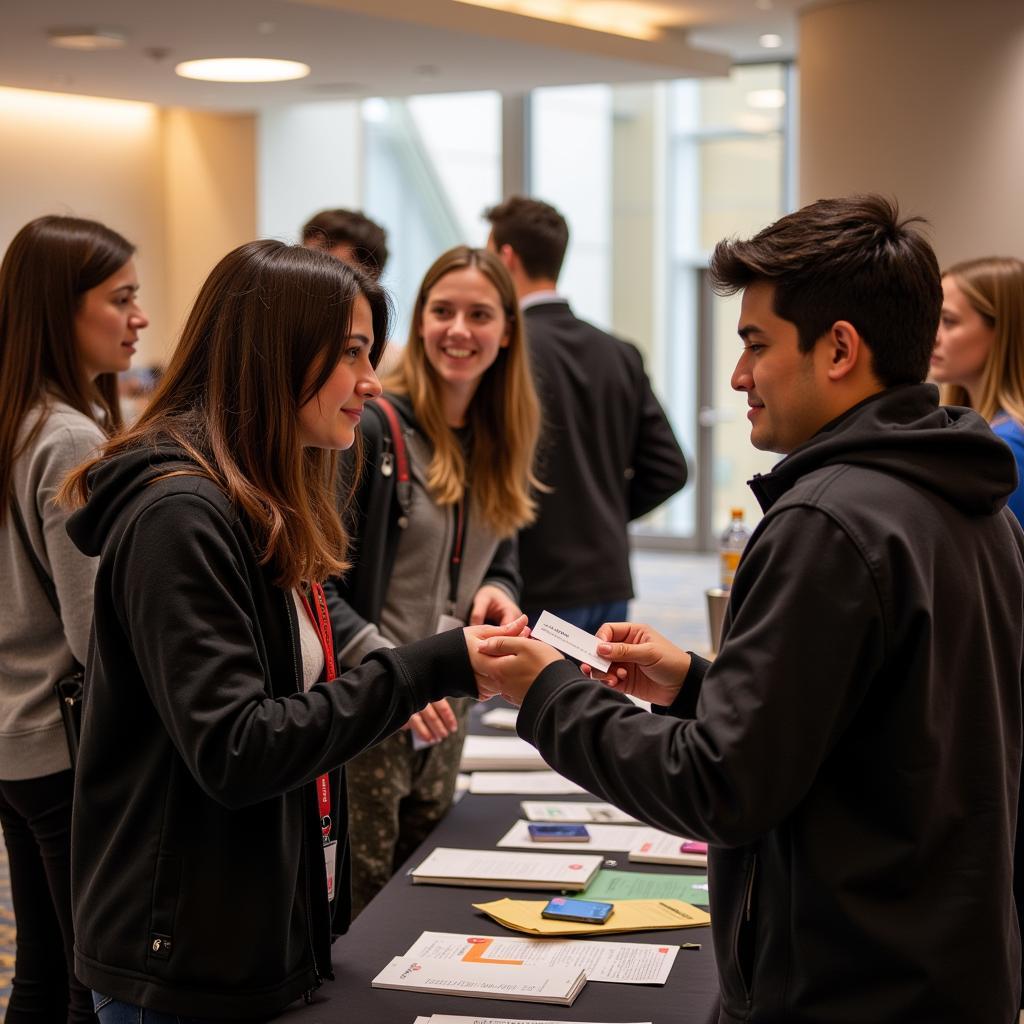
(50, 264)
(994, 286)
(504, 415)
(266, 331)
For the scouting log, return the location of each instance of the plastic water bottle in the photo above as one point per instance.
(731, 546)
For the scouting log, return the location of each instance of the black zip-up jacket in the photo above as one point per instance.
(853, 755)
(197, 862)
(357, 598)
(607, 452)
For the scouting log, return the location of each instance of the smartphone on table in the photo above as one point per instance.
(549, 832)
(564, 908)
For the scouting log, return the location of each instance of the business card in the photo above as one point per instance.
(570, 639)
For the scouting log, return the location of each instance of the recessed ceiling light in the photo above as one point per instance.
(242, 69)
(86, 38)
(770, 41)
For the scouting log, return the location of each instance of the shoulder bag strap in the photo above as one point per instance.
(44, 580)
(403, 485)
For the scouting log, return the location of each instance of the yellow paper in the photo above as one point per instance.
(629, 916)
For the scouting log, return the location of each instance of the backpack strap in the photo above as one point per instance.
(398, 461)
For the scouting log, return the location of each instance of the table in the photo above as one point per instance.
(401, 911)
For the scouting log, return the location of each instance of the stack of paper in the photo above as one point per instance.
(520, 983)
(491, 870)
(500, 718)
(536, 782)
(500, 753)
(632, 885)
(662, 848)
(567, 810)
(624, 963)
(629, 916)
(445, 1018)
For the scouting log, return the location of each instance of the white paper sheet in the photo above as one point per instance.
(624, 963)
(500, 753)
(567, 810)
(513, 870)
(618, 838)
(528, 783)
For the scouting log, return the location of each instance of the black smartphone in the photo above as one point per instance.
(564, 908)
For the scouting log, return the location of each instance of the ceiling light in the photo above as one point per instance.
(86, 38)
(632, 19)
(242, 69)
(770, 41)
(766, 99)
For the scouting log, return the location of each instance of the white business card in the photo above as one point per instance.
(570, 639)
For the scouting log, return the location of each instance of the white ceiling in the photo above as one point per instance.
(367, 47)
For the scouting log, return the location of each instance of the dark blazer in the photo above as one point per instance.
(608, 453)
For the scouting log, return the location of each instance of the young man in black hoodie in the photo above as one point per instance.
(853, 755)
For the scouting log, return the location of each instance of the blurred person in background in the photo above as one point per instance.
(69, 323)
(979, 349)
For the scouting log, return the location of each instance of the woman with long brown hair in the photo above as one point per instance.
(69, 321)
(437, 548)
(207, 845)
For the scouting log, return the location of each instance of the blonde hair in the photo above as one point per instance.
(994, 286)
(504, 415)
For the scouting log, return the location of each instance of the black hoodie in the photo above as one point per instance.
(197, 866)
(853, 754)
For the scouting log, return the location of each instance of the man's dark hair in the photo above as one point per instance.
(846, 259)
(368, 240)
(536, 231)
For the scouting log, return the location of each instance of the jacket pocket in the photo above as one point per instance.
(738, 972)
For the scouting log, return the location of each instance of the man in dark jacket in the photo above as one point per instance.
(853, 755)
(608, 453)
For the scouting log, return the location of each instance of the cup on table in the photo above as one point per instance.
(718, 601)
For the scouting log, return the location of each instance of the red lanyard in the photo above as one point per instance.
(321, 620)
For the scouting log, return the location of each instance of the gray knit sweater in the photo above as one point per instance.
(36, 648)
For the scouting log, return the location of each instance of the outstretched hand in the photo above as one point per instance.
(510, 664)
(476, 636)
(643, 663)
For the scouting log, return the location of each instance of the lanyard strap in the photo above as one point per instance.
(321, 620)
(460, 513)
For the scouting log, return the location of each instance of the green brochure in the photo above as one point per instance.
(635, 885)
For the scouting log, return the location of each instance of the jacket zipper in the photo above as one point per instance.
(747, 917)
(296, 660)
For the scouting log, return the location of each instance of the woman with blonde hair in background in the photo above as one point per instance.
(448, 481)
(69, 322)
(979, 350)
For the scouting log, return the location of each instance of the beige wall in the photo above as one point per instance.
(209, 196)
(178, 184)
(924, 100)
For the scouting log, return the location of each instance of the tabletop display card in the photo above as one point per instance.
(519, 983)
(576, 810)
(493, 869)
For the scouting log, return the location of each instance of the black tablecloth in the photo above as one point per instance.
(402, 911)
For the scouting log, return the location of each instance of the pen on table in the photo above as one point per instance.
(673, 910)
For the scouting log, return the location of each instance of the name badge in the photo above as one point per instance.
(330, 863)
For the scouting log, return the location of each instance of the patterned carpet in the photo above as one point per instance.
(670, 598)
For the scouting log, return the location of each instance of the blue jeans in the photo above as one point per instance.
(589, 616)
(110, 1011)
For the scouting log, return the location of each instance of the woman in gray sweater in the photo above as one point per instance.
(69, 322)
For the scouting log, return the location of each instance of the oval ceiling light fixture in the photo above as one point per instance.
(242, 69)
(770, 41)
(90, 38)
